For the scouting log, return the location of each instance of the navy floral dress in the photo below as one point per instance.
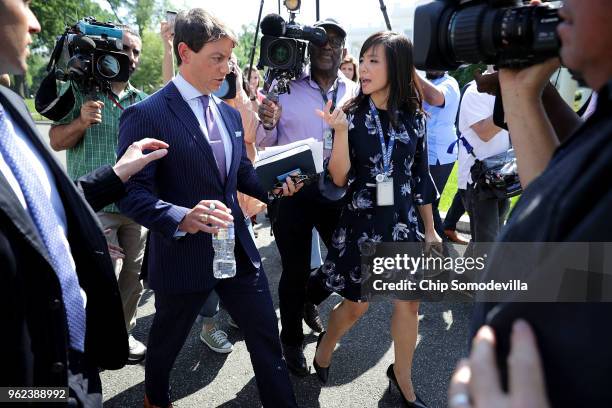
(362, 223)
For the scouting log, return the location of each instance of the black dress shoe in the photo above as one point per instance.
(417, 403)
(296, 362)
(322, 372)
(312, 318)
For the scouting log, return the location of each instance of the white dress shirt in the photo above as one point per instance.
(27, 148)
(191, 95)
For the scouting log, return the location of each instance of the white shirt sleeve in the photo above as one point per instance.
(475, 107)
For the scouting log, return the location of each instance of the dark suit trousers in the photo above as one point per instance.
(247, 299)
(293, 220)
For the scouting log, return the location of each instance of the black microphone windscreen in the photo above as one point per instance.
(85, 43)
(273, 25)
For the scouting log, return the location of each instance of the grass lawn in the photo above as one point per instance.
(35, 115)
(449, 191)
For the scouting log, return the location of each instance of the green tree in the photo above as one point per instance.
(465, 74)
(144, 14)
(245, 44)
(148, 76)
(54, 16)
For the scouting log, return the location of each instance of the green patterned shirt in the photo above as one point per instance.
(99, 144)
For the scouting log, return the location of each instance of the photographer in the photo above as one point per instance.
(89, 134)
(290, 119)
(478, 130)
(566, 198)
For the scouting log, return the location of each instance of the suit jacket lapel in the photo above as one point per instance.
(9, 203)
(185, 116)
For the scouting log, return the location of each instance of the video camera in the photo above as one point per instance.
(283, 49)
(505, 33)
(89, 54)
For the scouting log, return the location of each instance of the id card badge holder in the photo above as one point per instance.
(384, 190)
(328, 139)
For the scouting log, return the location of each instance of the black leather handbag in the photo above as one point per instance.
(495, 177)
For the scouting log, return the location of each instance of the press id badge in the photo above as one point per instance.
(384, 190)
(328, 139)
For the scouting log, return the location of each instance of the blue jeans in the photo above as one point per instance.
(209, 310)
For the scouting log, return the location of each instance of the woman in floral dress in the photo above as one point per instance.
(388, 106)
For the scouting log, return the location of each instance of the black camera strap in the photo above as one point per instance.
(334, 94)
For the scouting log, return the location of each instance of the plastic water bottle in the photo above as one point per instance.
(224, 263)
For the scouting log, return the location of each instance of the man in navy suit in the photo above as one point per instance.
(188, 195)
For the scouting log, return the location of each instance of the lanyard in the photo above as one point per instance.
(334, 95)
(386, 151)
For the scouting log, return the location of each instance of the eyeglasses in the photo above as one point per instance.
(335, 42)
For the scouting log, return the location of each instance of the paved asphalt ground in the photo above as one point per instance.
(202, 378)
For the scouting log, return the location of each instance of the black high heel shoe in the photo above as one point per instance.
(417, 403)
(322, 372)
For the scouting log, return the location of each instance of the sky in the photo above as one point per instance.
(351, 13)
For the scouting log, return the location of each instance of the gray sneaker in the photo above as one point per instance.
(216, 340)
(232, 323)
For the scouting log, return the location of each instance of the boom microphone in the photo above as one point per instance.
(273, 25)
(315, 35)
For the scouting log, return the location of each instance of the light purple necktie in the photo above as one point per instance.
(214, 136)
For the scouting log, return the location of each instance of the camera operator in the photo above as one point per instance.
(566, 198)
(290, 119)
(89, 134)
(478, 130)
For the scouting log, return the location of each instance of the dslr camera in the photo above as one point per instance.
(88, 54)
(505, 33)
(283, 49)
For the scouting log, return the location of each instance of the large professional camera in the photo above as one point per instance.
(283, 49)
(88, 54)
(506, 33)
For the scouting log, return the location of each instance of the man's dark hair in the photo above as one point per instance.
(197, 27)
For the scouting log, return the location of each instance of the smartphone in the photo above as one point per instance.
(171, 18)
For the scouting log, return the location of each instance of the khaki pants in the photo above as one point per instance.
(130, 236)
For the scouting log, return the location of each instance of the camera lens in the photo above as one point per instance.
(108, 66)
(280, 53)
(465, 31)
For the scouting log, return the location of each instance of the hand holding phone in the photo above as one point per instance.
(170, 19)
